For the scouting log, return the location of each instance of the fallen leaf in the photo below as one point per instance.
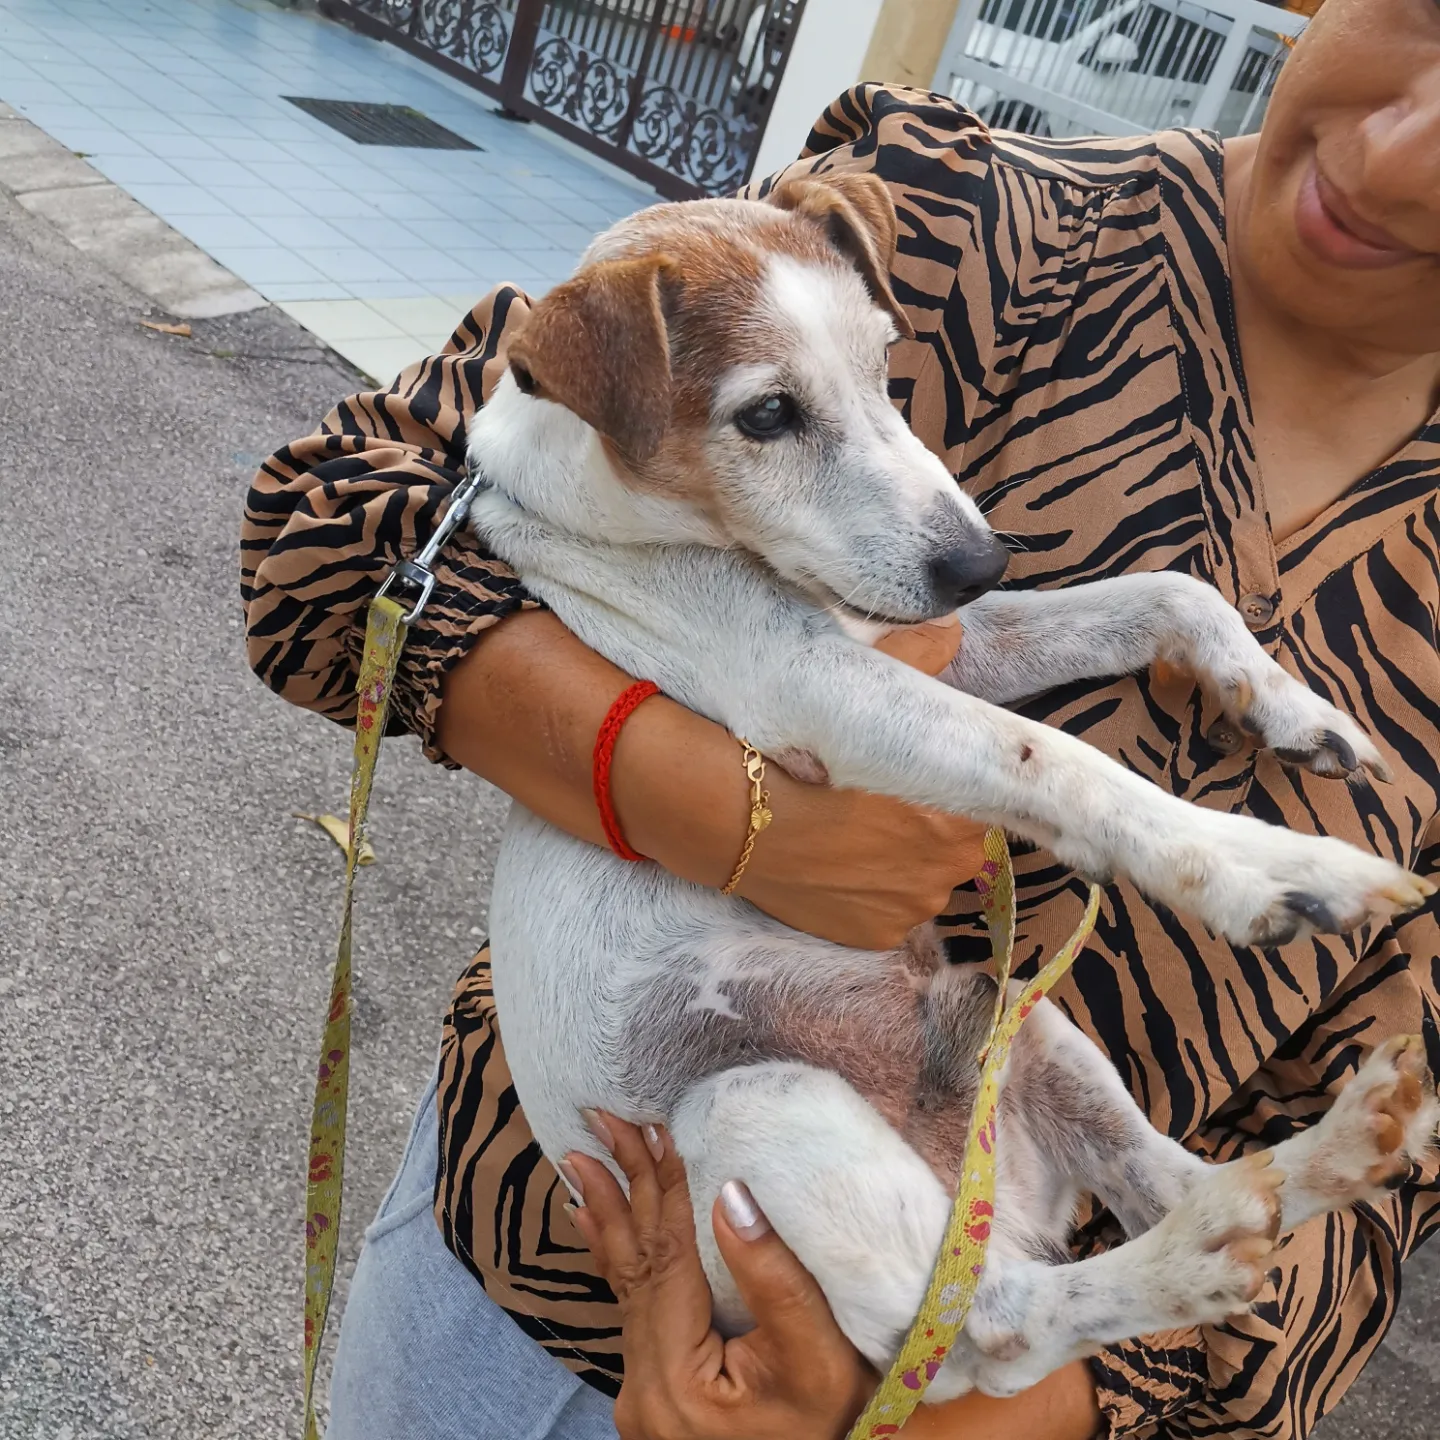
(338, 830)
(183, 331)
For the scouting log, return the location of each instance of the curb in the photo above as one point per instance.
(102, 220)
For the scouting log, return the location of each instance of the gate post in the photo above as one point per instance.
(908, 40)
(517, 55)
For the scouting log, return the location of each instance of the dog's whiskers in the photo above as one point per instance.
(843, 602)
(989, 501)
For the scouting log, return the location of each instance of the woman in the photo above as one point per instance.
(1138, 353)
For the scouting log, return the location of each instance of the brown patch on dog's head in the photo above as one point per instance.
(858, 217)
(673, 298)
(598, 345)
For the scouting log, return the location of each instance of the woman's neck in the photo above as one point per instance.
(1328, 407)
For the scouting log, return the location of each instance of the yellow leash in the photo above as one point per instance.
(384, 636)
(386, 626)
(957, 1271)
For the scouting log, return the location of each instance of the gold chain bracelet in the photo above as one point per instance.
(760, 815)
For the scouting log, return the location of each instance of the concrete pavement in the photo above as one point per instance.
(167, 925)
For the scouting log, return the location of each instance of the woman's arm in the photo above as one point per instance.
(523, 707)
(1060, 1407)
(328, 515)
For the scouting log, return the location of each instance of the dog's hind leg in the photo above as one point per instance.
(865, 1215)
(1380, 1124)
(1065, 1106)
(857, 1205)
(1204, 1261)
(1064, 1103)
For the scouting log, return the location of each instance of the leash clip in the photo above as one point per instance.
(416, 574)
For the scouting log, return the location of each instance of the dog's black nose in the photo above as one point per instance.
(967, 570)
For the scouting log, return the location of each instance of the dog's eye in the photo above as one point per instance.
(767, 418)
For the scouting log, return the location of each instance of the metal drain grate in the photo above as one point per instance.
(397, 125)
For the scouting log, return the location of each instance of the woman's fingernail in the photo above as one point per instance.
(654, 1142)
(571, 1208)
(746, 1218)
(599, 1129)
(571, 1176)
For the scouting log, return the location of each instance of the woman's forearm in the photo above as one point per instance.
(1060, 1407)
(522, 710)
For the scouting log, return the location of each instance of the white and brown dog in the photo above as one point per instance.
(694, 460)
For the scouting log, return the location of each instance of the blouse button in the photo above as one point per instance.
(1225, 738)
(1257, 610)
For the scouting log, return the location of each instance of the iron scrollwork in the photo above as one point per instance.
(488, 39)
(474, 32)
(579, 86)
(704, 146)
(642, 121)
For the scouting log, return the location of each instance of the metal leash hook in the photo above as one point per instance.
(416, 573)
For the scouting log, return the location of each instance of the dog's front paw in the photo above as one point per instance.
(1209, 1257)
(1264, 700)
(1257, 884)
(1383, 1121)
(1302, 728)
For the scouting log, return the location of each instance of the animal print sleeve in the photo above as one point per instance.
(1275, 1372)
(328, 515)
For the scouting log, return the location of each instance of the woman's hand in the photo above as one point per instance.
(794, 1377)
(522, 709)
(857, 868)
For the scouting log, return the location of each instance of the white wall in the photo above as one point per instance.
(828, 52)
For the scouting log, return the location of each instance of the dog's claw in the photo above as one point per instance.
(1342, 749)
(1314, 911)
(1334, 756)
(1299, 728)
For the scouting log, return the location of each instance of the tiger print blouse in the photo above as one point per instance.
(1075, 363)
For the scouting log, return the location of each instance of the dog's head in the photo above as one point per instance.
(731, 357)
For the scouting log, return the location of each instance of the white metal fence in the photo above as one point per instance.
(1116, 67)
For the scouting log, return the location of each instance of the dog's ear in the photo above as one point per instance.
(858, 215)
(598, 345)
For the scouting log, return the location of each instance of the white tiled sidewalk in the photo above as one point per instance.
(379, 251)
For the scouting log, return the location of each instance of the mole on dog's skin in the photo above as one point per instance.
(695, 463)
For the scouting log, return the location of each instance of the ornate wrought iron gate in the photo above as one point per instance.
(676, 91)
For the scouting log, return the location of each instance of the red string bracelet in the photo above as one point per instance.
(605, 740)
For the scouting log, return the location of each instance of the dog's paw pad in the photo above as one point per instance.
(1382, 1122)
(1218, 1246)
(1401, 1107)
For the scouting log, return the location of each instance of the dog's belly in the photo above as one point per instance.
(619, 986)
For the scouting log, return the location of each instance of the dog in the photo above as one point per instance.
(694, 461)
